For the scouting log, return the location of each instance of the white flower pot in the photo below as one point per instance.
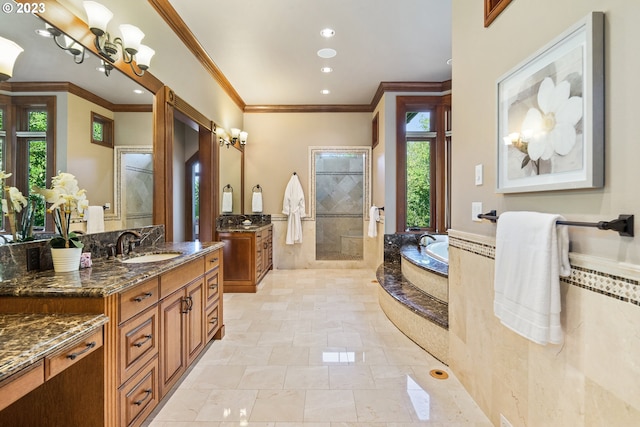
(66, 259)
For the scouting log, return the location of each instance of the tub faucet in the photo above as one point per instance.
(422, 236)
(132, 243)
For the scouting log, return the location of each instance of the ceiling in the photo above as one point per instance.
(267, 49)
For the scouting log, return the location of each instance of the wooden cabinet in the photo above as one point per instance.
(157, 328)
(248, 256)
(182, 320)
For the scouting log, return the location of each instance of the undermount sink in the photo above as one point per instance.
(151, 257)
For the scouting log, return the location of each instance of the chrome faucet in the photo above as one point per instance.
(422, 236)
(131, 244)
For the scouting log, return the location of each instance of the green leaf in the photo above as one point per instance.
(525, 161)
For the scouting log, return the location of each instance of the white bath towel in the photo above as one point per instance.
(531, 253)
(95, 219)
(293, 206)
(227, 201)
(256, 201)
(374, 217)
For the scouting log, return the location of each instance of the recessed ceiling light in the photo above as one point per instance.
(138, 91)
(327, 32)
(325, 91)
(327, 53)
(326, 69)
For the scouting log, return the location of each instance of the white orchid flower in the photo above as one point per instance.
(18, 201)
(4, 175)
(5, 207)
(552, 126)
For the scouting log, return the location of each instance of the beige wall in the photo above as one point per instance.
(482, 55)
(278, 145)
(92, 164)
(593, 378)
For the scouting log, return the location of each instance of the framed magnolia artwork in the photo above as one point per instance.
(551, 114)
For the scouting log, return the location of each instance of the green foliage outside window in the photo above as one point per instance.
(98, 131)
(418, 184)
(37, 121)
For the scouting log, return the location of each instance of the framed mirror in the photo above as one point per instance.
(231, 182)
(79, 89)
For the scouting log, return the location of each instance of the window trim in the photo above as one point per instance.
(107, 130)
(440, 106)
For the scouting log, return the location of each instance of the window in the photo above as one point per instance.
(33, 150)
(423, 147)
(101, 130)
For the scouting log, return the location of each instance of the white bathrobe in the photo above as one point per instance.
(293, 206)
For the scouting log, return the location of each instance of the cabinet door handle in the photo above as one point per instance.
(143, 297)
(189, 304)
(141, 343)
(213, 287)
(146, 396)
(213, 320)
(266, 245)
(88, 347)
(214, 260)
(185, 305)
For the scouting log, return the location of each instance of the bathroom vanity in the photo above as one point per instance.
(248, 255)
(159, 313)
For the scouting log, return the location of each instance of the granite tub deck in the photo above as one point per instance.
(419, 315)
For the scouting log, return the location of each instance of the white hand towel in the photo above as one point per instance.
(95, 219)
(256, 202)
(531, 253)
(374, 217)
(227, 201)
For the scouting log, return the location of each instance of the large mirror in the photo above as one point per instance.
(231, 184)
(91, 91)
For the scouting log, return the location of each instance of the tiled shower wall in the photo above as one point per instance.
(339, 206)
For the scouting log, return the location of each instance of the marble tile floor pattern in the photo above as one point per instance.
(313, 348)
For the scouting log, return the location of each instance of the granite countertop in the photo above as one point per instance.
(243, 228)
(105, 277)
(27, 338)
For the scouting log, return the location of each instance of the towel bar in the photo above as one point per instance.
(623, 224)
(258, 188)
(228, 187)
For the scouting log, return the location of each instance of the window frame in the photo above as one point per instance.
(17, 152)
(440, 107)
(107, 130)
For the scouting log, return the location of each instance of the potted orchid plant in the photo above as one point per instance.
(67, 201)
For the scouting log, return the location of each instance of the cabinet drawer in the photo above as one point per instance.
(212, 260)
(138, 298)
(213, 321)
(212, 286)
(139, 396)
(138, 342)
(56, 364)
(173, 280)
(21, 383)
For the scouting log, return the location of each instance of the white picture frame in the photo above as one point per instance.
(550, 130)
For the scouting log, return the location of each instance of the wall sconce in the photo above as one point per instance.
(237, 136)
(64, 42)
(98, 17)
(9, 52)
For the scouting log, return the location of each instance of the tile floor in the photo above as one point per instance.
(312, 348)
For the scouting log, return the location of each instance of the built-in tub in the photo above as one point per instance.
(426, 267)
(439, 249)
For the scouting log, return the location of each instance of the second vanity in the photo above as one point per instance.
(160, 315)
(248, 255)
